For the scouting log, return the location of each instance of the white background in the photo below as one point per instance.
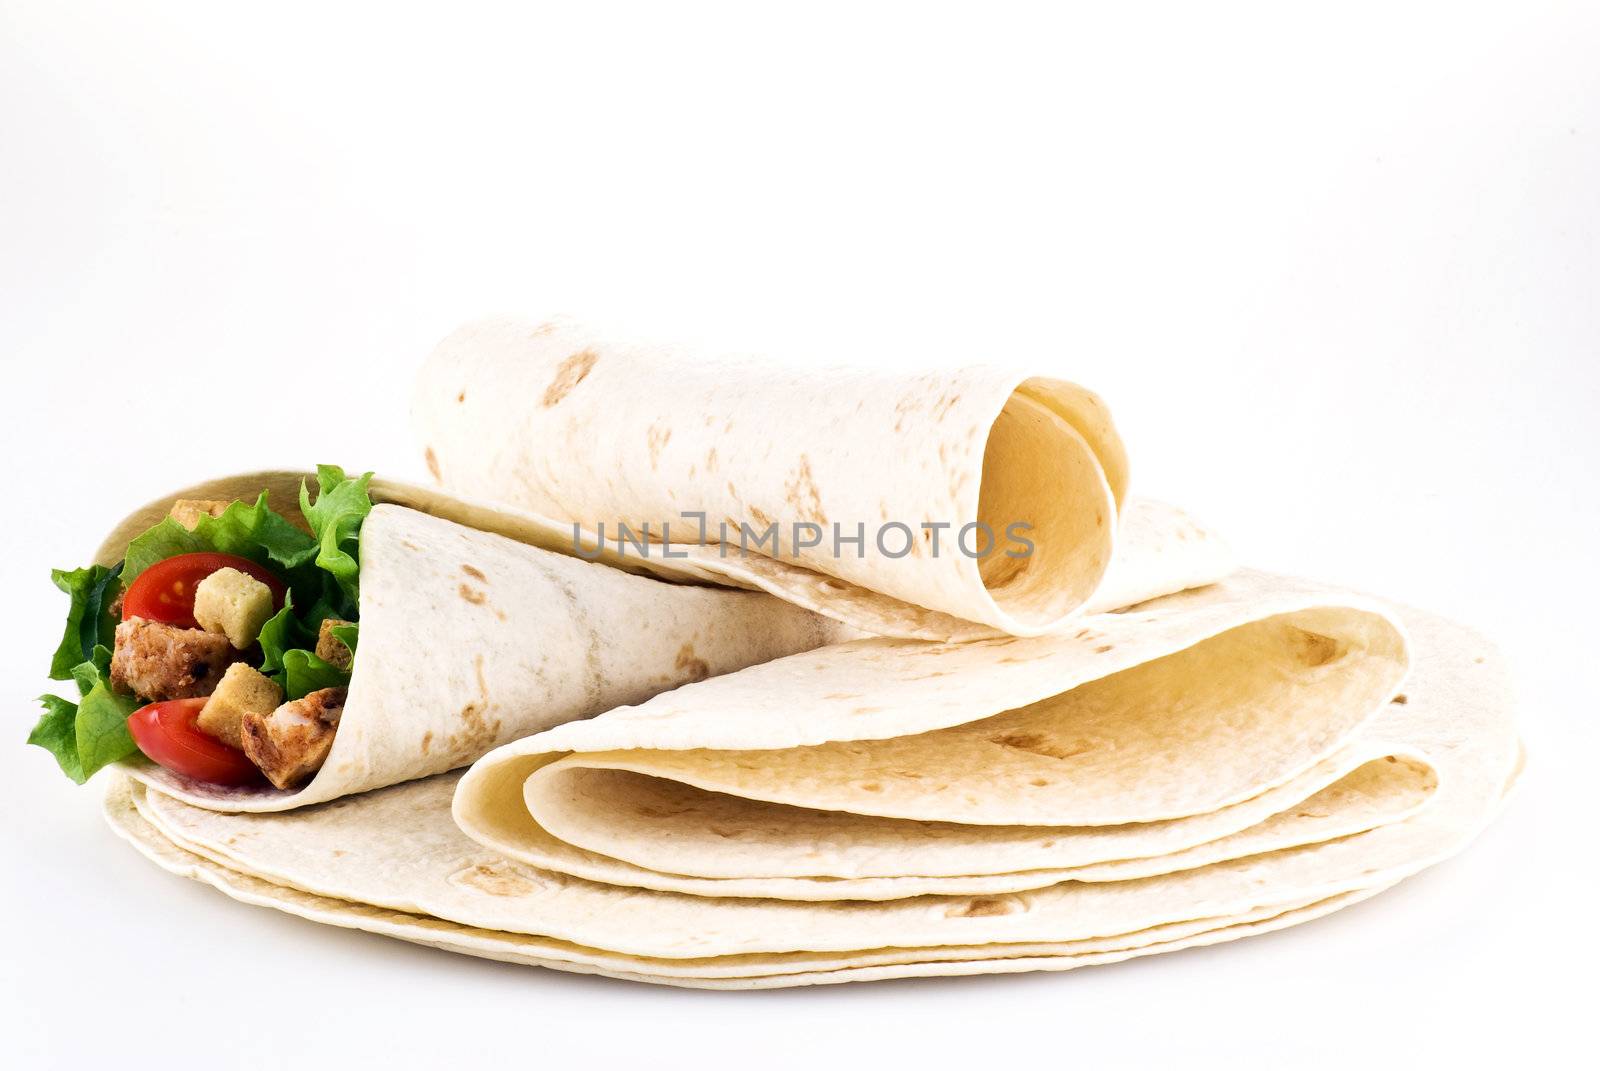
(1338, 275)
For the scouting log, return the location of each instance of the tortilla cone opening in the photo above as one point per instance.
(1043, 484)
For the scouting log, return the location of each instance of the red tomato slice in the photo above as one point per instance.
(168, 734)
(165, 591)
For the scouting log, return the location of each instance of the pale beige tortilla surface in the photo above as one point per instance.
(557, 420)
(383, 850)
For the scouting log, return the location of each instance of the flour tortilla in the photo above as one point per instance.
(125, 809)
(557, 420)
(470, 639)
(886, 759)
(419, 880)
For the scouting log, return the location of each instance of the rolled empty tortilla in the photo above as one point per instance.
(470, 639)
(944, 505)
(405, 870)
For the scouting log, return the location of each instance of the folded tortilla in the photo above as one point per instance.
(559, 421)
(470, 639)
(1144, 732)
(421, 879)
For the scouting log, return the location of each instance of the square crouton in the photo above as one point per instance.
(188, 511)
(242, 691)
(330, 648)
(233, 603)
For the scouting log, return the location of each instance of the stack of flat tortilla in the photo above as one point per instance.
(886, 767)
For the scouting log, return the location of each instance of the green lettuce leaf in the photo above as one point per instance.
(342, 504)
(90, 622)
(304, 673)
(93, 732)
(251, 531)
(288, 653)
(57, 733)
(283, 632)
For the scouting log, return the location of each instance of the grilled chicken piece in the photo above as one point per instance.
(159, 661)
(292, 742)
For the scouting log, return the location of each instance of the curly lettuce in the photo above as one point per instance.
(93, 732)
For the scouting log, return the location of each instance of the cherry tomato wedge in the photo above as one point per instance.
(167, 733)
(165, 591)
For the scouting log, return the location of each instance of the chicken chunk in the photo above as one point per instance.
(188, 511)
(159, 661)
(330, 648)
(291, 743)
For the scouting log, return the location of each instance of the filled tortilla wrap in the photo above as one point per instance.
(988, 498)
(467, 639)
(423, 880)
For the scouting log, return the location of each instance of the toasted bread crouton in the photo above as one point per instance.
(243, 690)
(330, 648)
(188, 511)
(291, 743)
(159, 661)
(233, 603)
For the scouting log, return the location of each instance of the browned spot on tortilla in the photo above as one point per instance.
(427, 741)
(842, 695)
(866, 710)
(803, 494)
(476, 598)
(339, 853)
(477, 731)
(483, 685)
(1039, 744)
(433, 463)
(657, 437)
(760, 518)
(902, 409)
(724, 832)
(1102, 649)
(546, 328)
(569, 374)
(872, 786)
(687, 664)
(1313, 648)
(476, 574)
(985, 907)
(711, 460)
(1401, 699)
(461, 397)
(496, 879)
